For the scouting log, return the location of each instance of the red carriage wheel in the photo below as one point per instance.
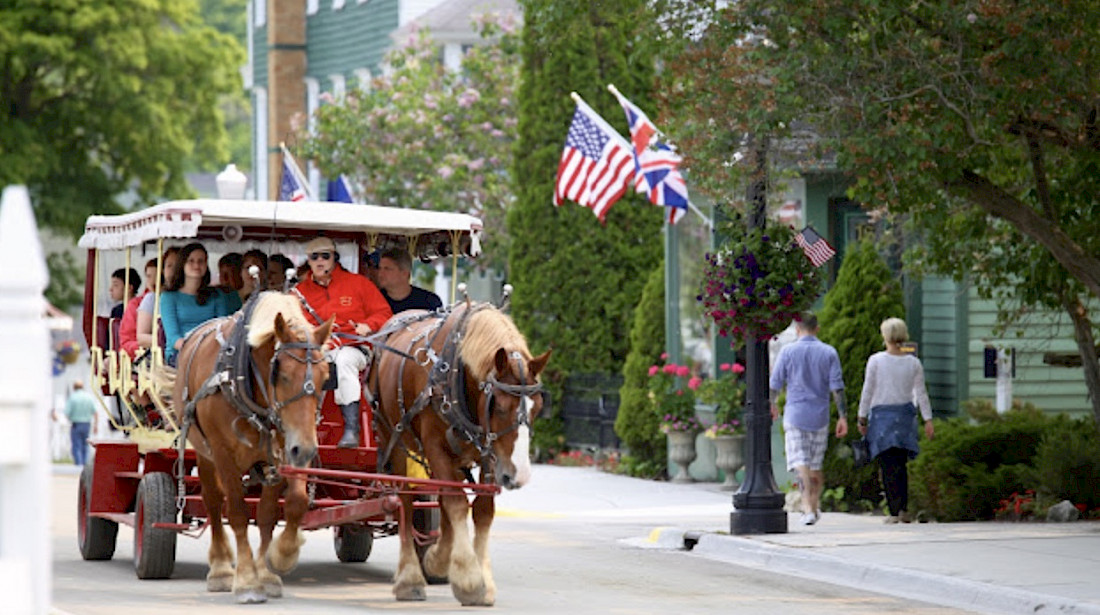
(352, 543)
(96, 536)
(155, 549)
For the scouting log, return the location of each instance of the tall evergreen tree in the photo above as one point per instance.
(638, 424)
(865, 294)
(577, 282)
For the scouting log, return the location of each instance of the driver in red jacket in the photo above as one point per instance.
(359, 308)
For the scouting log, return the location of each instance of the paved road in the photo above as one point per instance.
(574, 541)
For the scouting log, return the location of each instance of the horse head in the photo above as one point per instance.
(513, 396)
(294, 350)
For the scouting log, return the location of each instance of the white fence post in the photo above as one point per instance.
(25, 553)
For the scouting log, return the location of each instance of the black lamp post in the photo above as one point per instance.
(758, 504)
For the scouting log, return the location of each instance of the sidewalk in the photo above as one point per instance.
(985, 567)
(988, 567)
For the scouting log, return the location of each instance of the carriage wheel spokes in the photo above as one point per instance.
(155, 549)
(96, 536)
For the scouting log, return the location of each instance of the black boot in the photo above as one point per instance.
(350, 439)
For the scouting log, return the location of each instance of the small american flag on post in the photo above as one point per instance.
(596, 164)
(814, 245)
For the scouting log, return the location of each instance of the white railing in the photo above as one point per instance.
(25, 404)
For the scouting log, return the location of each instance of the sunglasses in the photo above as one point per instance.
(322, 255)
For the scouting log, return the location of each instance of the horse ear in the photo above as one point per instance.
(539, 363)
(282, 331)
(321, 334)
(500, 361)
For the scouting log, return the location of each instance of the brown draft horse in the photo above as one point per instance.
(249, 388)
(462, 390)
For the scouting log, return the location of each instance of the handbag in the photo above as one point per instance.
(861, 452)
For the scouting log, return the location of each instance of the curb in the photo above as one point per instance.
(891, 580)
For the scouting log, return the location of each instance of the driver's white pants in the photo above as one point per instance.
(349, 361)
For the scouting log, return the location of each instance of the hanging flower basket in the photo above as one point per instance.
(757, 282)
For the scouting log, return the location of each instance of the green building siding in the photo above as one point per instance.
(938, 343)
(353, 37)
(1053, 389)
(259, 56)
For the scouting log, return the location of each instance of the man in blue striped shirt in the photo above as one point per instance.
(809, 369)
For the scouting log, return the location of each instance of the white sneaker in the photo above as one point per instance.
(808, 519)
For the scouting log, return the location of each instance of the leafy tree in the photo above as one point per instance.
(981, 124)
(106, 99)
(637, 424)
(865, 294)
(230, 17)
(438, 139)
(576, 282)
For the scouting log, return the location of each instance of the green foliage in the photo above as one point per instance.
(1067, 463)
(577, 282)
(106, 98)
(66, 287)
(637, 425)
(968, 470)
(439, 139)
(866, 293)
(547, 435)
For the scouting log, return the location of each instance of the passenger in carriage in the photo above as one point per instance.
(394, 278)
(190, 300)
(229, 277)
(259, 259)
(118, 289)
(136, 329)
(359, 309)
(277, 266)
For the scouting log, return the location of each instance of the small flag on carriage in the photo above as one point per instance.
(293, 186)
(814, 245)
(596, 163)
(656, 163)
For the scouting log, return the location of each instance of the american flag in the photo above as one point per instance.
(596, 164)
(816, 248)
(656, 164)
(292, 187)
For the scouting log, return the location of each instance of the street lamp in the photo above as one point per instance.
(231, 183)
(758, 504)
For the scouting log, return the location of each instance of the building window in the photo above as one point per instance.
(259, 153)
(312, 6)
(259, 13)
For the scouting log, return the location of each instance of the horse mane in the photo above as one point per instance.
(261, 328)
(486, 331)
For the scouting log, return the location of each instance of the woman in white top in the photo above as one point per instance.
(893, 389)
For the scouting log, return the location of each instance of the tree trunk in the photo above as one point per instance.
(996, 202)
(1086, 345)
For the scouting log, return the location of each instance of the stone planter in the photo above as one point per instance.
(681, 451)
(729, 458)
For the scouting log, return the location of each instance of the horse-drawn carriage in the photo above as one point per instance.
(243, 426)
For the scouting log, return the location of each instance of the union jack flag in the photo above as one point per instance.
(656, 164)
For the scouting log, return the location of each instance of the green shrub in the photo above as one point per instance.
(637, 423)
(1067, 463)
(968, 470)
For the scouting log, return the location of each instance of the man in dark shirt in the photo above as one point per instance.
(394, 274)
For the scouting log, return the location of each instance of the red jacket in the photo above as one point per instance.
(127, 327)
(350, 297)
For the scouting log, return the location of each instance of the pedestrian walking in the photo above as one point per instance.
(809, 369)
(893, 388)
(81, 411)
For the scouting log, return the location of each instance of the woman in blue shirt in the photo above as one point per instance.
(190, 300)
